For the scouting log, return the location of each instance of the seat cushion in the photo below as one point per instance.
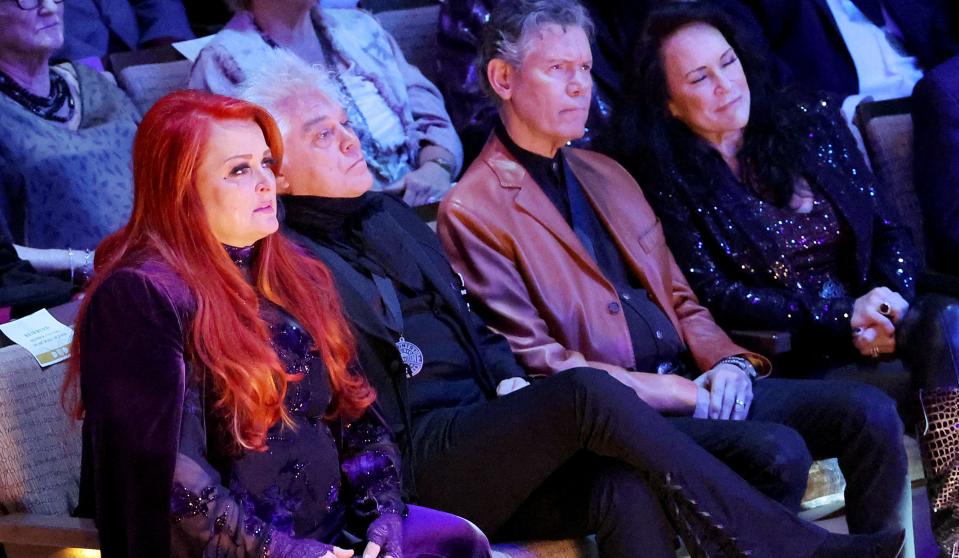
(146, 83)
(889, 142)
(39, 444)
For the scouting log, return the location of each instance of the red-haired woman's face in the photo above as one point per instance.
(236, 183)
(323, 155)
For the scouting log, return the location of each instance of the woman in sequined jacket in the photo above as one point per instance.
(774, 217)
(214, 370)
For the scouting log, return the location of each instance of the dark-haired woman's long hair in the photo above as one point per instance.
(657, 147)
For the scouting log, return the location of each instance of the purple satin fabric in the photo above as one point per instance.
(429, 533)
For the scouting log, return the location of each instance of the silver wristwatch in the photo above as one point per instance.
(743, 364)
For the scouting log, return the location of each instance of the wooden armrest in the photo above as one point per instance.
(765, 342)
(48, 531)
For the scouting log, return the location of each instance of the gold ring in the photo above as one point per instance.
(875, 352)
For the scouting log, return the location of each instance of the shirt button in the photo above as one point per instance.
(625, 297)
(659, 334)
(613, 307)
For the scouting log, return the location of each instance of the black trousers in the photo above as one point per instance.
(579, 453)
(793, 422)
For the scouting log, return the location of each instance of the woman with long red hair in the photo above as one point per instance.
(214, 370)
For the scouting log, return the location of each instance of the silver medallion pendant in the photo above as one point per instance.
(411, 354)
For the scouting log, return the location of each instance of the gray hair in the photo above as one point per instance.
(512, 24)
(284, 77)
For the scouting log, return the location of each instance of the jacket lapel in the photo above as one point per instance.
(354, 302)
(608, 197)
(531, 200)
(385, 223)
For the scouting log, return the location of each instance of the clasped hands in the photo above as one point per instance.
(874, 319)
(724, 392)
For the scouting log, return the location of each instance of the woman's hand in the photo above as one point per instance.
(730, 392)
(874, 319)
(338, 552)
(424, 185)
(878, 307)
(386, 537)
(874, 341)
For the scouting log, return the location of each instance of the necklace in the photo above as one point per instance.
(48, 108)
(387, 163)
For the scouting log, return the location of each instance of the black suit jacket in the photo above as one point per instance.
(376, 350)
(805, 37)
(936, 120)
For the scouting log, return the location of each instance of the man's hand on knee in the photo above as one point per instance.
(730, 392)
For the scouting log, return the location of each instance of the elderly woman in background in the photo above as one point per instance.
(773, 216)
(223, 412)
(65, 150)
(403, 126)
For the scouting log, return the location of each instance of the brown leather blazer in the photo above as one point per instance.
(535, 283)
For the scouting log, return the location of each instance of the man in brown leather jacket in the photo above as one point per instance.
(565, 258)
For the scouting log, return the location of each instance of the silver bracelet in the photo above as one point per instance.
(742, 364)
(70, 261)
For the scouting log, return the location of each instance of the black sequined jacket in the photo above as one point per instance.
(157, 477)
(734, 263)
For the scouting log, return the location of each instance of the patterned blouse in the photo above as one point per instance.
(67, 188)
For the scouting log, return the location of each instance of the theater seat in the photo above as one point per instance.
(886, 128)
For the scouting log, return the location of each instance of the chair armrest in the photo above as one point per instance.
(765, 342)
(933, 282)
(25, 529)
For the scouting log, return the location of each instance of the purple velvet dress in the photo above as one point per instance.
(156, 476)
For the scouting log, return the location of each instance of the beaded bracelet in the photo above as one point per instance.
(743, 364)
(70, 260)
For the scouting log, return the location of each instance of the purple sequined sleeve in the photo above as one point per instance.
(371, 468)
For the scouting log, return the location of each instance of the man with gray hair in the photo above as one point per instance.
(565, 258)
(560, 457)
